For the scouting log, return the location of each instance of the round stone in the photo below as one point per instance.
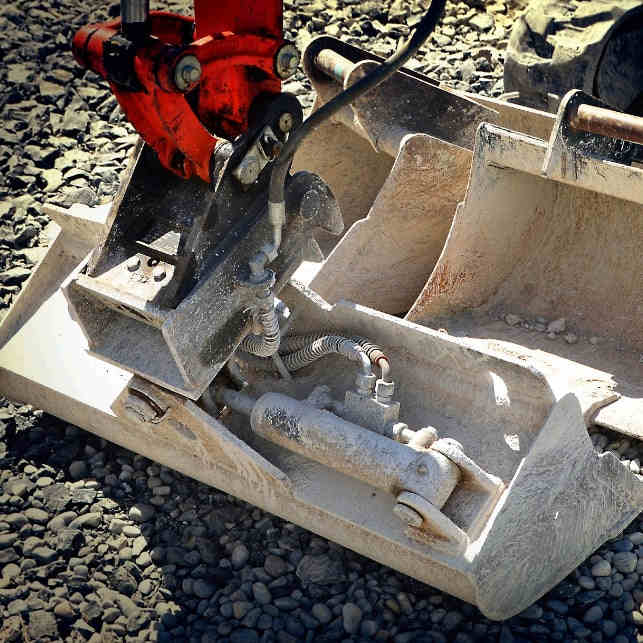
(593, 614)
(275, 566)
(141, 512)
(351, 618)
(202, 589)
(625, 561)
(322, 613)
(240, 555)
(146, 587)
(261, 593)
(38, 516)
(78, 469)
(601, 568)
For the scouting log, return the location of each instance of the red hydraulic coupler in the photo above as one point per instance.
(185, 83)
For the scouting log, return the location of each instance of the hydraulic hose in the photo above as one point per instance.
(327, 345)
(266, 344)
(373, 351)
(276, 194)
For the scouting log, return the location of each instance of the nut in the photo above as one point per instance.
(286, 121)
(384, 391)
(187, 73)
(159, 273)
(364, 384)
(133, 263)
(287, 61)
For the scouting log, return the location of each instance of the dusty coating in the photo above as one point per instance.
(353, 450)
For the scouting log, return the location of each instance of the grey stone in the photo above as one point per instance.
(275, 566)
(351, 618)
(625, 561)
(482, 21)
(37, 515)
(240, 609)
(116, 525)
(244, 635)
(240, 555)
(593, 614)
(7, 540)
(142, 512)
(557, 326)
(43, 554)
(261, 593)
(42, 624)
(321, 570)
(78, 469)
(203, 589)
(64, 610)
(601, 568)
(88, 520)
(322, 613)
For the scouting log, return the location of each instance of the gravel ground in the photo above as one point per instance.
(100, 544)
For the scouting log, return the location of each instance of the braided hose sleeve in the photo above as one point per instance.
(293, 343)
(328, 345)
(267, 344)
(375, 353)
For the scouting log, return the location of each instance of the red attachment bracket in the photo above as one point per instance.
(191, 80)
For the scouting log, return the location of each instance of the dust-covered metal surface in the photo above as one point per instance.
(397, 216)
(558, 45)
(455, 385)
(176, 317)
(546, 230)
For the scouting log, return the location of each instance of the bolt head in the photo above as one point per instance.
(248, 170)
(159, 273)
(133, 263)
(187, 73)
(286, 121)
(287, 61)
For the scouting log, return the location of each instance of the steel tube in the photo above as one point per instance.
(134, 11)
(334, 65)
(606, 122)
(134, 17)
(353, 450)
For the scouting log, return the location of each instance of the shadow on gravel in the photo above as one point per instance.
(100, 544)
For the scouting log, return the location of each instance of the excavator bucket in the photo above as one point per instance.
(488, 285)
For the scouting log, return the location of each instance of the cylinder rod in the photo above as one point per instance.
(334, 65)
(606, 122)
(134, 17)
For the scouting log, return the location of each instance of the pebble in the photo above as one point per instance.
(202, 588)
(593, 614)
(88, 520)
(239, 557)
(141, 512)
(261, 593)
(557, 326)
(275, 566)
(322, 613)
(37, 515)
(625, 562)
(351, 618)
(601, 568)
(78, 469)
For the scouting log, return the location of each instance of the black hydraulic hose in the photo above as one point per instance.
(276, 193)
(326, 345)
(293, 343)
